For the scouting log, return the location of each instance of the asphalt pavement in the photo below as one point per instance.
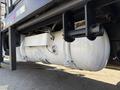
(29, 76)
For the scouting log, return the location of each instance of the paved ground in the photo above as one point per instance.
(38, 77)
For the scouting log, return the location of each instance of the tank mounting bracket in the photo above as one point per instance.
(92, 28)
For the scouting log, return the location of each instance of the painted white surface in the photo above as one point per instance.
(81, 54)
(37, 40)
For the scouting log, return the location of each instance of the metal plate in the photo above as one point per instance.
(25, 8)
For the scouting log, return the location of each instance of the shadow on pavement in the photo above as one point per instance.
(37, 77)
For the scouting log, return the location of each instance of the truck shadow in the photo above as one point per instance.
(38, 77)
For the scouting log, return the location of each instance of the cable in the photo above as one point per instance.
(49, 49)
(115, 1)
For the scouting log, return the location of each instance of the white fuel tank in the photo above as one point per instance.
(80, 54)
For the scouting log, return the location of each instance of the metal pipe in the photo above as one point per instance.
(54, 12)
(7, 6)
(11, 2)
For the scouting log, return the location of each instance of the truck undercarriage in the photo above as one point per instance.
(75, 18)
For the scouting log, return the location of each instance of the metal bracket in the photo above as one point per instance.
(1, 56)
(12, 48)
(92, 29)
(68, 25)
